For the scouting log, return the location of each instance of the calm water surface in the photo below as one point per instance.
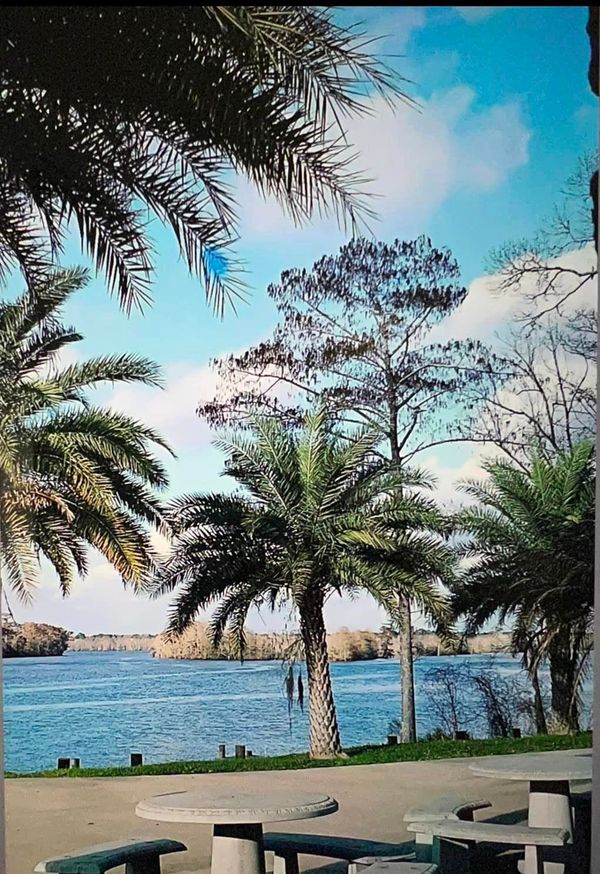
(102, 706)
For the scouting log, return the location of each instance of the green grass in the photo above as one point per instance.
(416, 752)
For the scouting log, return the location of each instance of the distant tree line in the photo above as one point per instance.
(343, 645)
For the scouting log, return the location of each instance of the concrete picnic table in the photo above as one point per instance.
(237, 845)
(549, 776)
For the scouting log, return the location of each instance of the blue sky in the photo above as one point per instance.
(505, 111)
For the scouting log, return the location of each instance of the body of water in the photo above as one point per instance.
(102, 706)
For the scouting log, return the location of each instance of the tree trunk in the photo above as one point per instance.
(409, 719)
(562, 679)
(541, 726)
(408, 732)
(323, 727)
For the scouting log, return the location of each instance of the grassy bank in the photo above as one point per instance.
(421, 751)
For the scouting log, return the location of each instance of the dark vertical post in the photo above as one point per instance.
(222, 751)
(240, 751)
(136, 759)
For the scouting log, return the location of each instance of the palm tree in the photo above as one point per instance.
(532, 538)
(72, 475)
(315, 516)
(106, 109)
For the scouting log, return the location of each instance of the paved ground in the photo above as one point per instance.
(48, 817)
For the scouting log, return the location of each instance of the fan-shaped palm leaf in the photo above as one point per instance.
(532, 538)
(311, 520)
(71, 475)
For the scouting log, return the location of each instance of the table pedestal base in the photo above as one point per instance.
(549, 807)
(237, 849)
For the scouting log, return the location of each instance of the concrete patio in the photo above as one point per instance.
(47, 818)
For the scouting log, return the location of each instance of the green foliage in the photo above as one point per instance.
(316, 514)
(424, 750)
(71, 474)
(531, 538)
(33, 639)
(183, 96)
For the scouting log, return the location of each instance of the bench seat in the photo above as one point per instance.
(454, 840)
(393, 867)
(286, 848)
(138, 855)
(446, 807)
(496, 833)
(451, 807)
(362, 854)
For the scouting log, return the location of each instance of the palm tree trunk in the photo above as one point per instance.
(562, 680)
(323, 726)
(541, 726)
(409, 718)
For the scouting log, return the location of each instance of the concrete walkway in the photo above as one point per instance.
(46, 818)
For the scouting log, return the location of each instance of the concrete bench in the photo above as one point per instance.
(286, 848)
(455, 839)
(139, 857)
(451, 807)
(362, 854)
(402, 868)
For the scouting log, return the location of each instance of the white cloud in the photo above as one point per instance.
(449, 476)
(398, 24)
(98, 604)
(476, 14)
(495, 143)
(358, 614)
(486, 308)
(172, 410)
(417, 159)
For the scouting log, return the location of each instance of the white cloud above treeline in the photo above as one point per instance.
(476, 14)
(487, 308)
(416, 159)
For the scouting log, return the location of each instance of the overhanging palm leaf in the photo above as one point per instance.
(184, 96)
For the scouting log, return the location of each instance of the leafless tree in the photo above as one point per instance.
(549, 401)
(543, 268)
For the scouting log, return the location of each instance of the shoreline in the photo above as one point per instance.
(275, 659)
(421, 751)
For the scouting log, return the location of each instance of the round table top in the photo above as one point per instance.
(222, 807)
(567, 765)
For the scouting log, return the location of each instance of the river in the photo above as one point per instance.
(102, 706)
